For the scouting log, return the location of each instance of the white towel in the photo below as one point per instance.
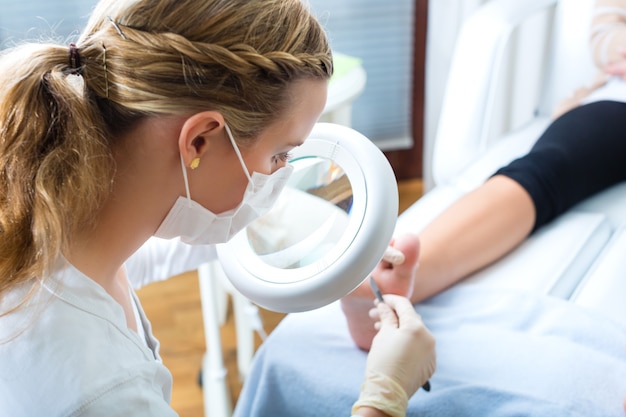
(499, 353)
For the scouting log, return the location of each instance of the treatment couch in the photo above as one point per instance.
(540, 332)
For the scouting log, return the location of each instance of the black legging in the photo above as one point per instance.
(580, 153)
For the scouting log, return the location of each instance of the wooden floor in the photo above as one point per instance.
(173, 307)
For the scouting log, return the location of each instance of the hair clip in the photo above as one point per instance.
(106, 73)
(117, 27)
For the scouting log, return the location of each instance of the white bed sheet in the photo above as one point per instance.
(500, 353)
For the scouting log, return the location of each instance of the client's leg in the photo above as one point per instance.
(580, 154)
(479, 228)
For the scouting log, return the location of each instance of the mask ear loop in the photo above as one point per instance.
(243, 165)
(182, 164)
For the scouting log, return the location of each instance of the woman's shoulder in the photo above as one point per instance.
(60, 355)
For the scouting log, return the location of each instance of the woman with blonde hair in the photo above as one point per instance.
(167, 118)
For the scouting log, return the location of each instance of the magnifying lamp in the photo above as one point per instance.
(327, 231)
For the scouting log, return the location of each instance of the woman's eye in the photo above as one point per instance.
(282, 157)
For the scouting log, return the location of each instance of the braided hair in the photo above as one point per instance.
(234, 56)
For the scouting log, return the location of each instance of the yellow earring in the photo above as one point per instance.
(194, 163)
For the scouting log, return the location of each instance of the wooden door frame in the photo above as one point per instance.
(408, 163)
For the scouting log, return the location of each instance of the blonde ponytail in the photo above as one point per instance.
(55, 163)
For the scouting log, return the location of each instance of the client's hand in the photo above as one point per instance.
(618, 67)
(576, 99)
(402, 358)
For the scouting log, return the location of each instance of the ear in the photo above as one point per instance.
(197, 134)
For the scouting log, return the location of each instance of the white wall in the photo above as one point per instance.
(520, 79)
(445, 18)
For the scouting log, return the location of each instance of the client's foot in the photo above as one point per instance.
(394, 279)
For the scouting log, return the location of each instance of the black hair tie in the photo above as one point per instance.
(75, 65)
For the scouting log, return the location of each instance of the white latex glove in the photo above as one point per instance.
(403, 349)
(402, 358)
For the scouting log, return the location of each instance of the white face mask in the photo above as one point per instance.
(197, 225)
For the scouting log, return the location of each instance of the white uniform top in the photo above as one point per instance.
(69, 352)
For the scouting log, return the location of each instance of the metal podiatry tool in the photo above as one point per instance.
(376, 290)
(380, 298)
